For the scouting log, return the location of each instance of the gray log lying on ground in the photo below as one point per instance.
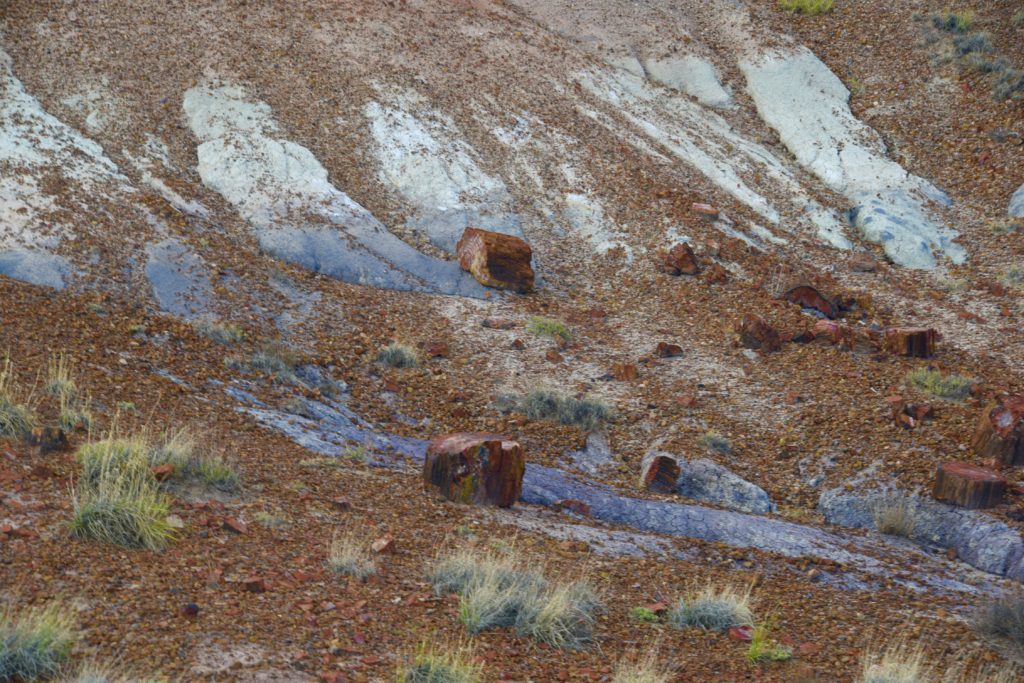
(709, 482)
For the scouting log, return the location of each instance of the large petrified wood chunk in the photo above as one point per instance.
(752, 332)
(809, 297)
(496, 260)
(1000, 432)
(476, 468)
(679, 260)
(659, 472)
(968, 485)
(918, 342)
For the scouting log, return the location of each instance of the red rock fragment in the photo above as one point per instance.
(715, 274)
(687, 400)
(1000, 431)
(752, 332)
(705, 210)
(862, 263)
(331, 677)
(385, 545)
(968, 486)
(437, 350)
(809, 297)
(477, 468)
(659, 472)
(679, 260)
(162, 472)
(553, 356)
(577, 507)
(624, 372)
(518, 344)
(666, 350)
(234, 525)
(190, 610)
(744, 634)
(496, 260)
(255, 584)
(498, 324)
(917, 342)
(341, 504)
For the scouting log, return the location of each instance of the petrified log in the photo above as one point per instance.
(679, 260)
(968, 486)
(809, 297)
(476, 468)
(918, 342)
(752, 332)
(624, 372)
(659, 472)
(496, 260)
(1000, 432)
(666, 350)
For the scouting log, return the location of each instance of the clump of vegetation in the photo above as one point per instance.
(644, 614)
(102, 673)
(349, 556)
(550, 328)
(952, 387)
(647, 670)
(270, 520)
(807, 7)
(585, 413)
(715, 443)
(713, 609)
(1018, 19)
(222, 333)
(36, 642)
(122, 506)
(895, 514)
(495, 593)
(954, 21)
(763, 648)
(1003, 620)
(59, 381)
(398, 356)
(898, 664)
(1010, 84)
(270, 358)
(17, 417)
(75, 413)
(430, 666)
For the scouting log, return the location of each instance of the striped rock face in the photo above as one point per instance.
(475, 468)
(496, 260)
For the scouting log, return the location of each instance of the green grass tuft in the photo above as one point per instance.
(561, 616)
(713, 609)
(763, 648)
(952, 387)
(17, 417)
(76, 413)
(807, 7)
(35, 643)
(1018, 19)
(550, 328)
(350, 557)
(643, 614)
(122, 506)
(398, 356)
(430, 666)
(585, 413)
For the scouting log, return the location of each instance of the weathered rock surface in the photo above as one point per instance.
(707, 481)
(1000, 431)
(496, 260)
(968, 486)
(477, 468)
(1016, 208)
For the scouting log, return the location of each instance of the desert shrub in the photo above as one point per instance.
(972, 43)
(550, 328)
(1003, 619)
(807, 7)
(75, 413)
(954, 21)
(585, 413)
(111, 454)
(122, 506)
(953, 387)
(713, 609)
(428, 665)
(647, 670)
(270, 358)
(1014, 277)
(898, 664)
(894, 514)
(17, 417)
(222, 333)
(350, 557)
(490, 599)
(561, 615)
(59, 381)
(215, 472)
(1009, 85)
(398, 356)
(36, 642)
(715, 443)
(763, 648)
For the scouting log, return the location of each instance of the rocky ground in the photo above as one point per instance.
(165, 167)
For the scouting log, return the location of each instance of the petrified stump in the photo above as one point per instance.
(968, 486)
(918, 342)
(659, 472)
(496, 260)
(1000, 432)
(809, 297)
(679, 260)
(476, 468)
(752, 332)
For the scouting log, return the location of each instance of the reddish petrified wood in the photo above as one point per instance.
(1000, 432)
(918, 342)
(624, 372)
(968, 485)
(496, 260)
(666, 350)
(48, 439)
(752, 332)
(659, 472)
(679, 260)
(908, 415)
(477, 468)
(809, 297)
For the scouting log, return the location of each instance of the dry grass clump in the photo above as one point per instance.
(270, 358)
(398, 356)
(954, 21)
(429, 665)
(895, 514)
(585, 413)
(647, 670)
(952, 387)
(222, 333)
(93, 672)
(1003, 620)
(349, 556)
(897, 664)
(17, 417)
(75, 413)
(59, 381)
(561, 615)
(807, 7)
(35, 642)
(713, 609)
(550, 328)
(121, 506)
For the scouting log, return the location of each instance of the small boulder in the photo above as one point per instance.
(809, 297)
(496, 259)
(679, 260)
(862, 263)
(710, 482)
(476, 468)
(624, 372)
(752, 332)
(666, 350)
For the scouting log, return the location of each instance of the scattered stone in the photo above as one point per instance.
(744, 634)
(518, 344)
(498, 324)
(624, 372)
(710, 482)
(679, 260)
(705, 210)
(809, 297)
(255, 584)
(917, 342)
(659, 472)
(862, 263)
(341, 504)
(553, 356)
(190, 609)
(577, 507)
(908, 415)
(48, 439)
(752, 332)
(968, 486)
(496, 259)
(385, 545)
(437, 350)
(477, 468)
(162, 472)
(666, 350)
(234, 525)
(174, 521)
(833, 333)
(1000, 431)
(715, 274)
